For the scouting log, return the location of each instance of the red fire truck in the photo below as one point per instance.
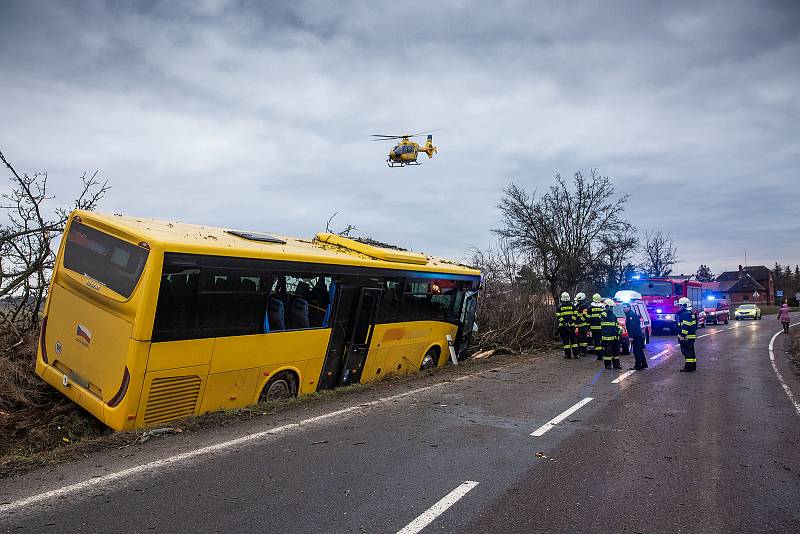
(661, 296)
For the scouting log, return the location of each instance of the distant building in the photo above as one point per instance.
(753, 284)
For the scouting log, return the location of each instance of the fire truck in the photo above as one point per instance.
(661, 295)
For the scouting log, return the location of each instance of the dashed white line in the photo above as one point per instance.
(623, 376)
(657, 356)
(785, 386)
(154, 465)
(560, 417)
(438, 509)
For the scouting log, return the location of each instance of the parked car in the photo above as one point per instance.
(716, 310)
(641, 310)
(748, 311)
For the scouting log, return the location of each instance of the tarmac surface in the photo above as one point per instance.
(652, 451)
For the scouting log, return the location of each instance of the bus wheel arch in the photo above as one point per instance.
(281, 385)
(430, 358)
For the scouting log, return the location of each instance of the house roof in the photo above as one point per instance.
(746, 283)
(759, 272)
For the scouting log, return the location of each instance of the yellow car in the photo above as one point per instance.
(747, 311)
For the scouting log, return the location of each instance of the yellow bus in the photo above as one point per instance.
(148, 321)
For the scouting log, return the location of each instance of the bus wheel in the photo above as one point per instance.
(281, 386)
(430, 360)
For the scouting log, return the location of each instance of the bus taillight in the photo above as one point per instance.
(42, 342)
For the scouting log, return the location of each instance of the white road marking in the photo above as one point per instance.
(785, 386)
(659, 354)
(438, 509)
(563, 415)
(623, 376)
(157, 464)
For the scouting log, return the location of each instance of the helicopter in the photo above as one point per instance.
(405, 152)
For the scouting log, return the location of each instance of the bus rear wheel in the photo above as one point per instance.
(430, 360)
(282, 386)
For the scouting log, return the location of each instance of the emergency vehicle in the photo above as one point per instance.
(661, 295)
(639, 308)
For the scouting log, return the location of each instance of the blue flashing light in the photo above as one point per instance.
(711, 297)
(636, 277)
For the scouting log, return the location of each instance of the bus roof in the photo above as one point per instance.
(324, 248)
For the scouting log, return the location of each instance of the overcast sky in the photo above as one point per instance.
(241, 115)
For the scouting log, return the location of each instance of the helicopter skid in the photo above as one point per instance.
(391, 163)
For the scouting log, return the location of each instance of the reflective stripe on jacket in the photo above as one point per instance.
(688, 323)
(566, 314)
(595, 313)
(610, 328)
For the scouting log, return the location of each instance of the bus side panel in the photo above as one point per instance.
(399, 347)
(233, 389)
(302, 351)
(261, 350)
(176, 354)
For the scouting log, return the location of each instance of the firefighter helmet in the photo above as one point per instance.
(609, 303)
(564, 297)
(596, 297)
(685, 302)
(580, 296)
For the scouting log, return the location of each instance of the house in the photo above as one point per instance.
(753, 284)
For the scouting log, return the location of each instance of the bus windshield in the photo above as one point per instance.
(115, 263)
(651, 288)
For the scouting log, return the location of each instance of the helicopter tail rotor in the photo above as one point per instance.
(428, 148)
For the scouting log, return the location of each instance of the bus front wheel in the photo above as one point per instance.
(430, 360)
(280, 387)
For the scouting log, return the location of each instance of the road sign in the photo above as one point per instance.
(779, 293)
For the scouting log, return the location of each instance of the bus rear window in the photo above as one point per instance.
(115, 263)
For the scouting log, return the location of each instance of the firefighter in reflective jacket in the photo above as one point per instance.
(688, 326)
(566, 326)
(595, 311)
(582, 322)
(610, 331)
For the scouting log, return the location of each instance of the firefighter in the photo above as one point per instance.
(688, 326)
(566, 326)
(595, 311)
(634, 327)
(582, 322)
(610, 330)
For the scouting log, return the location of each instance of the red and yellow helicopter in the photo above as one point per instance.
(405, 152)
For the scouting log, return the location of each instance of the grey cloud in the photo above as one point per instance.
(258, 115)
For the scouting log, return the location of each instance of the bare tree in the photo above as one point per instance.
(27, 231)
(565, 231)
(660, 253)
(614, 263)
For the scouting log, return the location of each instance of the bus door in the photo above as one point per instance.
(356, 309)
(464, 335)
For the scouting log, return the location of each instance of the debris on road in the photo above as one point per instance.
(150, 434)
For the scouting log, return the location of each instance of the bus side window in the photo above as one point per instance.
(298, 301)
(176, 311)
(231, 302)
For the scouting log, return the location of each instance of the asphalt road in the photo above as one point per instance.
(658, 451)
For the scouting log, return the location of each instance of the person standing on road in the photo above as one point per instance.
(595, 313)
(688, 326)
(582, 322)
(783, 316)
(566, 326)
(610, 336)
(634, 327)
